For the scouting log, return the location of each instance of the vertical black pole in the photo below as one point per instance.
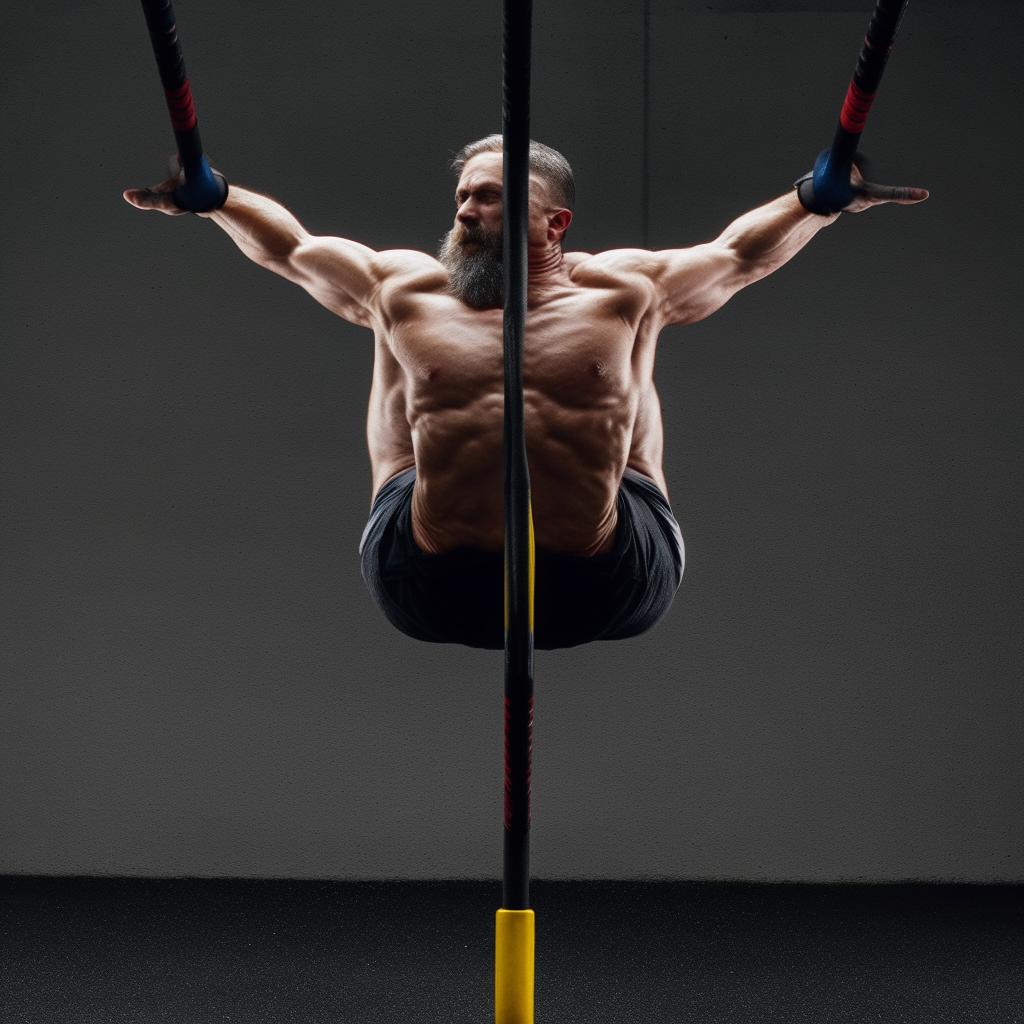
(518, 526)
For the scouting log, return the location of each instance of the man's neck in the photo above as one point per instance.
(545, 269)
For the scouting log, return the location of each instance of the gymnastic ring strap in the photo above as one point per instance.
(827, 189)
(204, 189)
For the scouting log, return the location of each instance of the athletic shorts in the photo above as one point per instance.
(458, 597)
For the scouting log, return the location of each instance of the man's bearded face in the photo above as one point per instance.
(472, 256)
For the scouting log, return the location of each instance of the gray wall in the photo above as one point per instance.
(194, 679)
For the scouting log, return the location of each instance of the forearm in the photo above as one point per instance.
(773, 234)
(261, 227)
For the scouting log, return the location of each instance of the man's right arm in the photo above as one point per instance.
(340, 274)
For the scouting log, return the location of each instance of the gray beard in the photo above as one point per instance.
(476, 277)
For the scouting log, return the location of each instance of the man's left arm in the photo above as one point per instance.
(693, 283)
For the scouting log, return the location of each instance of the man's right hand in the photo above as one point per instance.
(159, 196)
(156, 198)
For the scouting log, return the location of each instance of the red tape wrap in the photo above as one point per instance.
(183, 110)
(855, 110)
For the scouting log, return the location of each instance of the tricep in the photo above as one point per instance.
(693, 283)
(340, 274)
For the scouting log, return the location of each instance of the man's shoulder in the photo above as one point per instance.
(407, 263)
(625, 277)
(405, 278)
(628, 273)
(403, 273)
(611, 264)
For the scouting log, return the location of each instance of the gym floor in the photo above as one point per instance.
(111, 950)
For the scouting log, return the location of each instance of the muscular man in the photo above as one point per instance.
(609, 551)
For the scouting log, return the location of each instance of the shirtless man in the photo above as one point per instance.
(609, 552)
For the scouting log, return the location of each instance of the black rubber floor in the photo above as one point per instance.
(102, 951)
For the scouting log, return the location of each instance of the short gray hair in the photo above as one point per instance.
(545, 162)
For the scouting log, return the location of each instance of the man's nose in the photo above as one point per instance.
(466, 214)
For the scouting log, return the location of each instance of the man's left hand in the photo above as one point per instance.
(869, 194)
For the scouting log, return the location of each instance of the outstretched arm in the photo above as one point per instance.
(693, 283)
(340, 274)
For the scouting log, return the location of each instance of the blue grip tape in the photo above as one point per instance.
(204, 189)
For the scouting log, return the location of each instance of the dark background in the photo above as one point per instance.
(194, 680)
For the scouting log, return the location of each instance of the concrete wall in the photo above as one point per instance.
(194, 680)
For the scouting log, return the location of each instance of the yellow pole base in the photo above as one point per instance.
(513, 967)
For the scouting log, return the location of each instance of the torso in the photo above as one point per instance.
(590, 404)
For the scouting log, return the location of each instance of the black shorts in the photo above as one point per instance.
(458, 597)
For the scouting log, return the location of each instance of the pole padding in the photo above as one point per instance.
(514, 967)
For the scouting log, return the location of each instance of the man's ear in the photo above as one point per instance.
(558, 224)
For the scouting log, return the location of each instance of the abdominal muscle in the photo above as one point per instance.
(437, 403)
(458, 499)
